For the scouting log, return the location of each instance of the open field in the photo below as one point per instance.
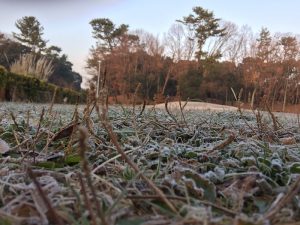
(197, 106)
(216, 166)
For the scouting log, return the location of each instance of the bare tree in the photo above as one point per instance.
(240, 43)
(151, 44)
(180, 43)
(190, 45)
(216, 45)
(174, 42)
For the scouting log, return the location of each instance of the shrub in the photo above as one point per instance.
(2, 69)
(23, 88)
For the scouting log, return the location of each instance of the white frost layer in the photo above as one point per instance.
(197, 106)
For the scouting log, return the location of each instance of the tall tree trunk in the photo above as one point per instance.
(297, 93)
(284, 98)
(226, 96)
(166, 81)
(273, 99)
(252, 98)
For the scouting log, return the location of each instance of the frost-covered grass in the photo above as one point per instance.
(213, 167)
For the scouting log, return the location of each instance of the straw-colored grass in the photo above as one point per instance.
(31, 65)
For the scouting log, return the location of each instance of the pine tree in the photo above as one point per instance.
(107, 34)
(31, 33)
(264, 47)
(204, 25)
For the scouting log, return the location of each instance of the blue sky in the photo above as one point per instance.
(66, 22)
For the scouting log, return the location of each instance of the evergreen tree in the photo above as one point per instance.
(107, 34)
(264, 48)
(290, 48)
(204, 25)
(31, 33)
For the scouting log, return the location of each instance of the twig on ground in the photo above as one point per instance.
(183, 199)
(134, 97)
(86, 200)
(53, 215)
(181, 111)
(85, 167)
(167, 109)
(113, 137)
(143, 108)
(223, 144)
(52, 101)
(14, 120)
(275, 208)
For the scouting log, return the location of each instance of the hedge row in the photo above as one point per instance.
(14, 87)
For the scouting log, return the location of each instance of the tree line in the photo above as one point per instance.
(200, 57)
(28, 53)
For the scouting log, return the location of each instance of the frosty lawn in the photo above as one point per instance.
(213, 166)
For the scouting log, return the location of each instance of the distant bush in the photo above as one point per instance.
(14, 87)
(190, 84)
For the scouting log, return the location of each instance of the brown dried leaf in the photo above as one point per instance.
(288, 141)
(65, 132)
